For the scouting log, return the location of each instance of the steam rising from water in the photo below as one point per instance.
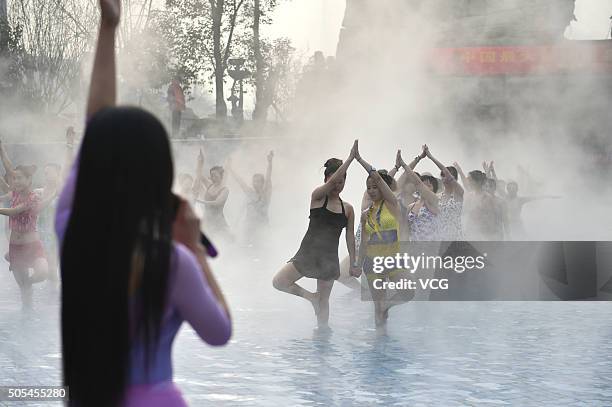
(379, 91)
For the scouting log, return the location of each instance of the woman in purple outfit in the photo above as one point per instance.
(133, 269)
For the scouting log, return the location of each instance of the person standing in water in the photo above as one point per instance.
(450, 203)
(422, 215)
(214, 200)
(188, 186)
(26, 251)
(514, 204)
(48, 194)
(55, 174)
(317, 256)
(258, 200)
(380, 237)
(486, 217)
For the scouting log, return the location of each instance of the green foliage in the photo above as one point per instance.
(187, 29)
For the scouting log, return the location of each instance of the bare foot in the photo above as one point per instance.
(380, 317)
(314, 300)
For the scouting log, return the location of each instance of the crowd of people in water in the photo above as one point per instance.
(399, 204)
(110, 210)
(414, 207)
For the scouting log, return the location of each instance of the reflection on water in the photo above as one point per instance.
(432, 354)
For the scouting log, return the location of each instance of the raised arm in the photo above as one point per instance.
(320, 192)
(4, 186)
(243, 185)
(69, 155)
(427, 194)
(387, 193)
(102, 94)
(464, 180)
(6, 161)
(268, 181)
(492, 171)
(445, 171)
(200, 178)
(404, 179)
(103, 86)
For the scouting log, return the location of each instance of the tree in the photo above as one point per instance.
(4, 32)
(282, 81)
(47, 44)
(142, 49)
(200, 35)
(259, 11)
(221, 54)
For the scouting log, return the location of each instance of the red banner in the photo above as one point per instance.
(570, 57)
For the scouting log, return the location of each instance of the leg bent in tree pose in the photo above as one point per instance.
(317, 257)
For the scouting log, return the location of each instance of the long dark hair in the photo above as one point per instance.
(120, 224)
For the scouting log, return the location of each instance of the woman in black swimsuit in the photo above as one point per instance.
(318, 254)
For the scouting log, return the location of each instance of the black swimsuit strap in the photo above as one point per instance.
(342, 203)
(325, 203)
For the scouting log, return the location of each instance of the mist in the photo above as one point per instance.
(381, 90)
(380, 82)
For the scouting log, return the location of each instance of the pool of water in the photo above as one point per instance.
(432, 354)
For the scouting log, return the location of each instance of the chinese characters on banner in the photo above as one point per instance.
(583, 57)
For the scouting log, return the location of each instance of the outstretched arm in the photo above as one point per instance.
(445, 171)
(526, 199)
(102, 89)
(320, 192)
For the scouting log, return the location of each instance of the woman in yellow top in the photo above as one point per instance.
(380, 225)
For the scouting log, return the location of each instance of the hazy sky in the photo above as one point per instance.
(315, 24)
